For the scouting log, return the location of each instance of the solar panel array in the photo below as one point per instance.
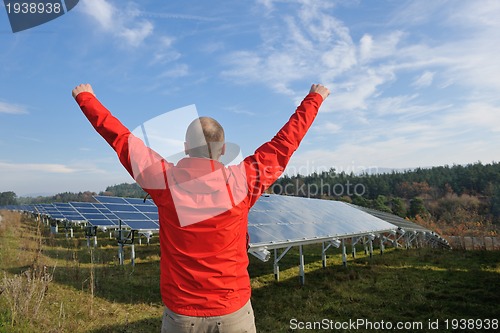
(133, 213)
(276, 221)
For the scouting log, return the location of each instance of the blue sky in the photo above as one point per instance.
(414, 83)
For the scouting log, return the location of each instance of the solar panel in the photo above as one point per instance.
(277, 220)
(394, 219)
(142, 225)
(111, 200)
(147, 208)
(130, 216)
(52, 211)
(113, 207)
(68, 212)
(137, 201)
(96, 214)
(134, 213)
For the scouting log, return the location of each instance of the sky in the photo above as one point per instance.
(413, 83)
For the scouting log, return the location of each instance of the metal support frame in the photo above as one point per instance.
(344, 255)
(323, 254)
(302, 275)
(382, 248)
(334, 242)
(125, 237)
(354, 241)
(276, 261)
(54, 229)
(91, 232)
(121, 253)
(403, 236)
(367, 240)
(147, 235)
(68, 228)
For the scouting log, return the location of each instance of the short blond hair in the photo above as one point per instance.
(205, 138)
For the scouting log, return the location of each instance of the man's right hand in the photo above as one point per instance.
(320, 89)
(82, 88)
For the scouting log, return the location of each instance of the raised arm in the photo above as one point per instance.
(139, 160)
(269, 160)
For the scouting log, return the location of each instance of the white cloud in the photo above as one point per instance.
(371, 49)
(306, 46)
(176, 71)
(38, 167)
(355, 92)
(239, 110)
(100, 10)
(406, 107)
(477, 116)
(424, 80)
(467, 55)
(119, 21)
(27, 138)
(213, 47)
(327, 127)
(414, 13)
(476, 15)
(12, 108)
(136, 35)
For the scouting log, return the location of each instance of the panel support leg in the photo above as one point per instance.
(323, 254)
(344, 255)
(277, 259)
(120, 253)
(132, 255)
(276, 266)
(301, 266)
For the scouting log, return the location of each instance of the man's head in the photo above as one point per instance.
(205, 138)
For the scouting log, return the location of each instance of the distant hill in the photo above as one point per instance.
(124, 190)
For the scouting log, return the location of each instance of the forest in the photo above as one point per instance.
(462, 200)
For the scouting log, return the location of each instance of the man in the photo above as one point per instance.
(203, 211)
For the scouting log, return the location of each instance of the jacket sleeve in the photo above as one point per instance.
(269, 160)
(142, 163)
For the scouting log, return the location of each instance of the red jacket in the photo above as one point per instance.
(203, 209)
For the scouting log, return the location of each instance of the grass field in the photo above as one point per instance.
(56, 284)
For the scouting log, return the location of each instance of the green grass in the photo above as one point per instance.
(415, 285)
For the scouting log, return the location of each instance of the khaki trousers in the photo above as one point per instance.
(240, 321)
